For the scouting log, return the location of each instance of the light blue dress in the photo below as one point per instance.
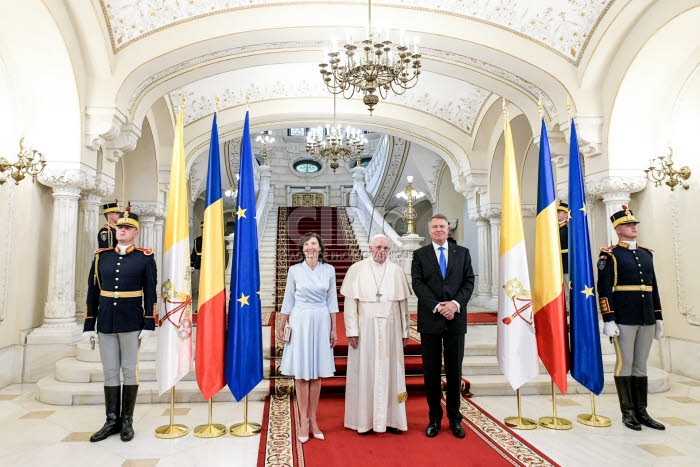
(309, 299)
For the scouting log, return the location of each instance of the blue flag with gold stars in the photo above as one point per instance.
(244, 360)
(586, 357)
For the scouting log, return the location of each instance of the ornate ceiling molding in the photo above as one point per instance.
(563, 27)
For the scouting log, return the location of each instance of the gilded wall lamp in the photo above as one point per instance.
(661, 171)
(29, 162)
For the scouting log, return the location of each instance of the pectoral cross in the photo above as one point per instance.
(379, 296)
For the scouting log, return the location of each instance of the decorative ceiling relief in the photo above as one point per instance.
(562, 26)
(458, 104)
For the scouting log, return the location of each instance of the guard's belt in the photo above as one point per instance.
(633, 288)
(137, 293)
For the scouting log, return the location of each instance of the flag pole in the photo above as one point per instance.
(171, 431)
(554, 423)
(245, 428)
(210, 430)
(520, 423)
(591, 419)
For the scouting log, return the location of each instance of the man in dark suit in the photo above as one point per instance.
(443, 281)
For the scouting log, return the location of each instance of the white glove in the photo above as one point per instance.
(144, 335)
(191, 268)
(610, 329)
(659, 329)
(89, 334)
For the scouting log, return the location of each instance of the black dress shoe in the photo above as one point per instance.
(393, 431)
(433, 427)
(457, 430)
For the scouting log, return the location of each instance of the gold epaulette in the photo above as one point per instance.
(608, 249)
(100, 250)
(146, 251)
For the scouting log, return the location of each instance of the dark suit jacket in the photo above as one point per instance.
(431, 288)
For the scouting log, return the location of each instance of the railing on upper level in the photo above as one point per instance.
(377, 166)
(373, 222)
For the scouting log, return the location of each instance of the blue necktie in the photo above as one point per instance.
(443, 262)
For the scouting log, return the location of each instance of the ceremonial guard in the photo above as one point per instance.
(563, 219)
(120, 308)
(107, 235)
(196, 263)
(631, 309)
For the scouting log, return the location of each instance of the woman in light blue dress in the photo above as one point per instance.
(310, 305)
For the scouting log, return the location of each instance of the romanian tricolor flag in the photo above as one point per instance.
(550, 300)
(586, 357)
(516, 345)
(174, 356)
(211, 316)
(244, 362)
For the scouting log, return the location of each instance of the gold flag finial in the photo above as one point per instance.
(540, 108)
(568, 107)
(216, 106)
(247, 100)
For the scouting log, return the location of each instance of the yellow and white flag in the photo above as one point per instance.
(517, 346)
(174, 356)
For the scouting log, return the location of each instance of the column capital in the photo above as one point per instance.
(471, 182)
(558, 147)
(68, 178)
(491, 211)
(148, 208)
(608, 182)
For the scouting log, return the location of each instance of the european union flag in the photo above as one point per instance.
(587, 361)
(244, 362)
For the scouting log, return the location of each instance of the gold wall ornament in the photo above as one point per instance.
(374, 67)
(410, 194)
(661, 171)
(29, 162)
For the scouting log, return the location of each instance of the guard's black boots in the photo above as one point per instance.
(128, 403)
(639, 394)
(112, 426)
(624, 394)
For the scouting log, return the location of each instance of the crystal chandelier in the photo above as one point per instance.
(339, 144)
(372, 66)
(29, 162)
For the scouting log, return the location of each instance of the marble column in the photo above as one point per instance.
(88, 226)
(147, 234)
(158, 246)
(59, 326)
(483, 231)
(495, 224)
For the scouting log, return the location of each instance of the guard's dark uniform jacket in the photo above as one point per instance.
(627, 291)
(564, 245)
(196, 255)
(107, 236)
(121, 291)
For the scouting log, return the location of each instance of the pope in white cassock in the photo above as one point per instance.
(376, 322)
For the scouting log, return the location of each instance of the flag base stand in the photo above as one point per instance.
(210, 430)
(591, 419)
(554, 422)
(171, 431)
(245, 428)
(520, 422)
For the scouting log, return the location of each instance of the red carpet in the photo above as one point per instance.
(488, 442)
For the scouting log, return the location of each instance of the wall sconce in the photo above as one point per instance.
(410, 194)
(661, 169)
(265, 139)
(29, 162)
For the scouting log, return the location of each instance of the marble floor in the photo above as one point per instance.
(33, 433)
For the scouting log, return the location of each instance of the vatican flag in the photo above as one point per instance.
(516, 343)
(174, 356)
